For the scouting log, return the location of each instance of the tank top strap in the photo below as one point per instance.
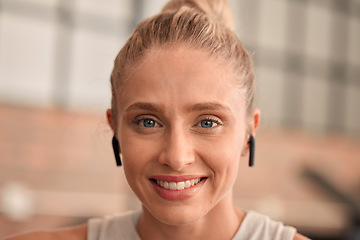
(257, 226)
(114, 227)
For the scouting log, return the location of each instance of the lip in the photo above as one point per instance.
(177, 195)
(176, 178)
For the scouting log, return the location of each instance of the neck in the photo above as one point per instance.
(221, 222)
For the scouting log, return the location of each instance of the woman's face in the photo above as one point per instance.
(182, 129)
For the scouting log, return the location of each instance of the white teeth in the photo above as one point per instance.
(178, 185)
(172, 185)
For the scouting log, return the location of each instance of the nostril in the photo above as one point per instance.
(177, 152)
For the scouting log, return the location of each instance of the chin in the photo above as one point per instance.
(176, 215)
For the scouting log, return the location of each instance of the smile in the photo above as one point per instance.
(178, 185)
(177, 188)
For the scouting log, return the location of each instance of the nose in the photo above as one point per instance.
(178, 152)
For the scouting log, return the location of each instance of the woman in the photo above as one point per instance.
(182, 115)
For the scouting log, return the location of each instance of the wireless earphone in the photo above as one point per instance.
(116, 148)
(251, 143)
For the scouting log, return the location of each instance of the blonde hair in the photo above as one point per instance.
(200, 24)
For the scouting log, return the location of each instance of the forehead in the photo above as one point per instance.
(175, 59)
(179, 74)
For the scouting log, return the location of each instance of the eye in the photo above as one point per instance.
(208, 124)
(147, 123)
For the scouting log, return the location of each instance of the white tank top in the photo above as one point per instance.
(255, 226)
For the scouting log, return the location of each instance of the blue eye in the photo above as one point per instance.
(147, 122)
(208, 124)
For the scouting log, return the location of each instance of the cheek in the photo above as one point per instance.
(132, 155)
(223, 157)
(222, 154)
(138, 153)
(135, 157)
(135, 161)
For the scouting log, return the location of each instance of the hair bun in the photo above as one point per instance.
(217, 10)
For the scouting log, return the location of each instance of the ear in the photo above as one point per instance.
(255, 121)
(109, 118)
(116, 141)
(253, 125)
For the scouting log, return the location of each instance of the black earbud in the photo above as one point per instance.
(116, 147)
(251, 143)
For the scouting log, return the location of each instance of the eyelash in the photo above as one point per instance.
(210, 119)
(138, 121)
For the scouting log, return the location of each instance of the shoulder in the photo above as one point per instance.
(300, 237)
(72, 233)
(259, 226)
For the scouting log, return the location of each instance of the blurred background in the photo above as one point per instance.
(56, 162)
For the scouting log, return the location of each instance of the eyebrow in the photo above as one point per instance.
(208, 106)
(144, 106)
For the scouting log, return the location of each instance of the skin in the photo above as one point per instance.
(182, 92)
(178, 90)
(187, 88)
(73, 233)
